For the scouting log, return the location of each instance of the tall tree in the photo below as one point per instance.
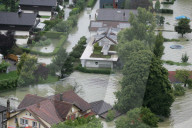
(142, 28)
(7, 42)
(135, 75)
(159, 48)
(128, 47)
(157, 6)
(28, 65)
(183, 75)
(158, 95)
(183, 26)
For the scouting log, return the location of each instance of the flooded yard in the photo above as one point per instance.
(93, 87)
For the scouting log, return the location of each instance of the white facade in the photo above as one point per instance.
(41, 13)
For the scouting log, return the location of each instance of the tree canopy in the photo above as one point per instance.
(183, 26)
(159, 94)
(7, 42)
(137, 118)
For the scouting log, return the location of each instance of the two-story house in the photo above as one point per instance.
(42, 7)
(40, 112)
(21, 23)
(3, 111)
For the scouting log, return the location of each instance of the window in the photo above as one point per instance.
(23, 121)
(29, 114)
(16, 120)
(96, 63)
(34, 124)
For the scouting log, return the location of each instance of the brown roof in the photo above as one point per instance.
(73, 98)
(51, 111)
(30, 100)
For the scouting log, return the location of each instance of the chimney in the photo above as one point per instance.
(124, 14)
(61, 96)
(38, 105)
(8, 109)
(19, 12)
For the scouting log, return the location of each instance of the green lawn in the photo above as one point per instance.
(10, 75)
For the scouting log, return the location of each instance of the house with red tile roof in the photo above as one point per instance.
(172, 77)
(40, 112)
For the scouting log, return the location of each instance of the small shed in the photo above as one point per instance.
(101, 109)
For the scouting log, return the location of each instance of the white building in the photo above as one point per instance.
(100, 53)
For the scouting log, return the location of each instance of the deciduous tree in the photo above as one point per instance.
(183, 75)
(183, 26)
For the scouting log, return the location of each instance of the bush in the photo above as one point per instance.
(110, 115)
(3, 66)
(42, 43)
(179, 90)
(184, 58)
(167, 11)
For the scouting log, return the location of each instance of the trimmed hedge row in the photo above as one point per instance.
(96, 71)
(166, 11)
(168, 2)
(8, 84)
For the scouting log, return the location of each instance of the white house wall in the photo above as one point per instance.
(42, 13)
(97, 64)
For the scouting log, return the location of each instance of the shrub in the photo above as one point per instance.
(43, 43)
(3, 66)
(110, 115)
(184, 58)
(179, 90)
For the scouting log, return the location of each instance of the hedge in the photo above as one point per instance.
(168, 2)
(167, 11)
(8, 84)
(51, 34)
(96, 71)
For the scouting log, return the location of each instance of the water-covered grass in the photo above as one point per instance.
(169, 62)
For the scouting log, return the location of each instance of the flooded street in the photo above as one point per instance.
(82, 27)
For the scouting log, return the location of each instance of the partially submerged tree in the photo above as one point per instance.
(183, 75)
(183, 26)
